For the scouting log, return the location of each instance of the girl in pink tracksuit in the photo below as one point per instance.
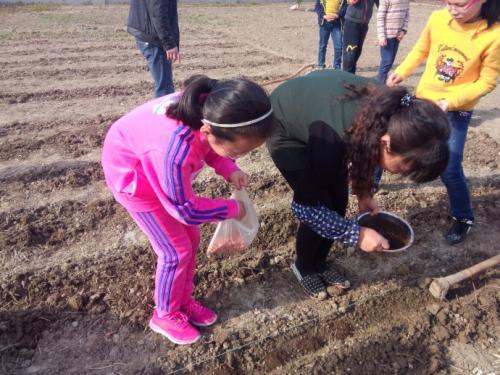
(150, 158)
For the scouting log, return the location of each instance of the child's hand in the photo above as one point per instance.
(368, 204)
(330, 17)
(400, 36)
(242, 211)
(382, 42)
(443, 104)
(370, 240)
(239, 179)
(393, 80)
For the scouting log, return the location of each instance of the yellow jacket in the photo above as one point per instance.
(463, 61)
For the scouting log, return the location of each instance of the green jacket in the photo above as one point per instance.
(299, 102)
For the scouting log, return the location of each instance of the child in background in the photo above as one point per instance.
(392, 25)
(347, 125)
(330, 21)
(357, 18)
(150, 157)
(462, 47)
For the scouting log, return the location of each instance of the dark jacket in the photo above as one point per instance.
(360, 11)
(319, 8)
(155, 22)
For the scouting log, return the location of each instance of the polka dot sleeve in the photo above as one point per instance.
(327, 223)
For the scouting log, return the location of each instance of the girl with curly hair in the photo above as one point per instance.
(335, 128)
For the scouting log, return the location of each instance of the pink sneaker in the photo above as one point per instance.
(198, 314)
(175, 327)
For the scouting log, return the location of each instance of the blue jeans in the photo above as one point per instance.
(334, 29)
(387, 56)
(453, 177)
(159, 66)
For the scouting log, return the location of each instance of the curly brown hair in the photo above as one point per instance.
(418, 131)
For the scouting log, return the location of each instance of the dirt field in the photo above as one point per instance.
(76, 275)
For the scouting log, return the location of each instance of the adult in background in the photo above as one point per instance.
(154, 24)
(357, 18)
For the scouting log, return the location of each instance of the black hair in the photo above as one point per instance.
(490, 11)
(192, 78)
(418, 131)
(224, 102)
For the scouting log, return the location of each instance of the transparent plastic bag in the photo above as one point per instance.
(235, 236)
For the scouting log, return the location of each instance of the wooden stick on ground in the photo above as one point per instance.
(439, 287)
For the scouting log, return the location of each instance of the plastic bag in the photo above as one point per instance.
(235, 236)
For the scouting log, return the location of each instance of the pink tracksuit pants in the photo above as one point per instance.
(175, 245)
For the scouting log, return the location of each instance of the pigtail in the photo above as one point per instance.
(225, 102)
(189, 108)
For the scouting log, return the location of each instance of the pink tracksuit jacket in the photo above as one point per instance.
(149, 162)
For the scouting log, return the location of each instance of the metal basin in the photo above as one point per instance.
(396, 230)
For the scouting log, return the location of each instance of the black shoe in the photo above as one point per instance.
(458, 231)
(311, 283)
(332, 277)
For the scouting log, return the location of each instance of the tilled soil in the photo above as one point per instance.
(77, 275)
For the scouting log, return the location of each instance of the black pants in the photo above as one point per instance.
(353, 39)
(312, 249)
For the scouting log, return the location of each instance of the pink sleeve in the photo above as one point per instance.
(173, 178)
(222, 166)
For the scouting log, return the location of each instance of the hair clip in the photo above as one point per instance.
(406, 100)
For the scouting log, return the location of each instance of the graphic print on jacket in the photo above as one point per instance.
(450, 63)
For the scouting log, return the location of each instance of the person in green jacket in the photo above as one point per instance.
(335, 128)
